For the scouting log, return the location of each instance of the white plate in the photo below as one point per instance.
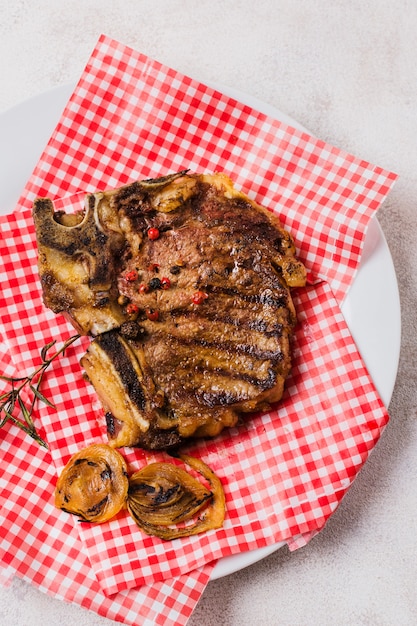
(371, 309)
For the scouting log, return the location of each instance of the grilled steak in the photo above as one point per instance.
(185, 284)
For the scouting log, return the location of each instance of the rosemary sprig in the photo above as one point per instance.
(11, 403)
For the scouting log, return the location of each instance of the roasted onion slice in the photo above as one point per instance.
(93, 484)
(163, 495)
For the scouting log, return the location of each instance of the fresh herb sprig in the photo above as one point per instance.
(12, 405)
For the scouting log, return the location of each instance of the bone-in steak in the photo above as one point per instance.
(185, 284)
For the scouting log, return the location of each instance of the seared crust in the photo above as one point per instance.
(193, 324)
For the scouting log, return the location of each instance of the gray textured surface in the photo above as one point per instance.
(348, 72)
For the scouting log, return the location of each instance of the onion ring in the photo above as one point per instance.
(163, 495)
(93, 484)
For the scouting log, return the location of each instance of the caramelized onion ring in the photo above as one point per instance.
(162, 495)
(93, 484)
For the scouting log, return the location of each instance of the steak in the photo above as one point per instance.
(184, 283)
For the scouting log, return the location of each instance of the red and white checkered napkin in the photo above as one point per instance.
(284, 472)
(41, 546)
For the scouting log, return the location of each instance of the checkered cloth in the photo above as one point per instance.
(284, 472)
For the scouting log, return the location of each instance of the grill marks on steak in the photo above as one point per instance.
(234, 357)
(198, 367)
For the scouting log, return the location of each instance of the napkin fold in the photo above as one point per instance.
(285, 471)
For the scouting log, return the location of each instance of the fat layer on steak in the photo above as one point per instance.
(184, 283)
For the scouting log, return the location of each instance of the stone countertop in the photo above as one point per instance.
(347, 71)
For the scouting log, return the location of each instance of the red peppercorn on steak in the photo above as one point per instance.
(184, 283)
